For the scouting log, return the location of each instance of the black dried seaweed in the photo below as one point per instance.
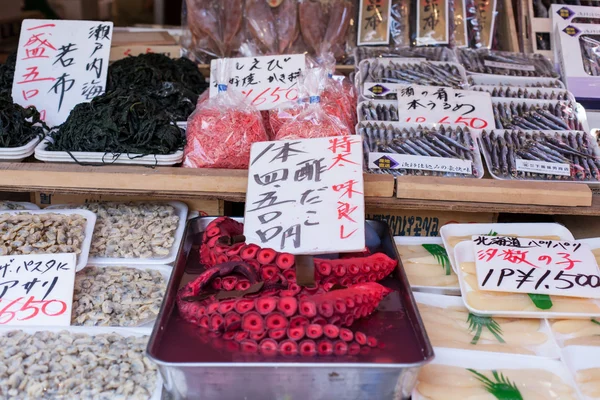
(7, 73)
(175, 84)
(18, 125)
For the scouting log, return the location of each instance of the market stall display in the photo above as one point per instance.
(431, 73)
(427, 53)
(495, 62)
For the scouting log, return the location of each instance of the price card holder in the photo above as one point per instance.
(306, 196)
(37, 289)
(522, 265)
(266, 82)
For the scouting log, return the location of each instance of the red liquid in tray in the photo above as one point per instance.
(400, 338)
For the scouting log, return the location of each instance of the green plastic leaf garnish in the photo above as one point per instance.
(492, 233)
(477, 323)
(595, 321)
(501, 388)
(439, 253)
(541, 301)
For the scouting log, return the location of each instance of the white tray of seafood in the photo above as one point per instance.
(449, 324)
(427, 265)
(52, 231)
(128, 296)
(576, 332)
(17, 205)
(520, 305)
(584, 363)
(452, 234)
(460, 375)
(140, 232)
(77, 362)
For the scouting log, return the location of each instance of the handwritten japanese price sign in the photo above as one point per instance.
(442, 105)
(306, 196)
(265, 81)
(521, 265)
(37, 289)
(61, 64)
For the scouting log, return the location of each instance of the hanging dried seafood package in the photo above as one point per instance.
(482, 27)
(432, 23)
(314, 121)
(221, 130)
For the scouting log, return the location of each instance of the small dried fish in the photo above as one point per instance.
(428, 53)
(543, 116)
(524, 93)
(374, 111)
(475, 80)
(495, 62)
(418, 73)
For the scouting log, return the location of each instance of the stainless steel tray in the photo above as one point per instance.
(193, 369)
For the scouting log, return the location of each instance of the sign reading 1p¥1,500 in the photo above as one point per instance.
(61, 64)
(523, 265)
(37, 289)
(265, 81)
(306, 196)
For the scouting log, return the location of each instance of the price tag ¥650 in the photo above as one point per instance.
(37, 289)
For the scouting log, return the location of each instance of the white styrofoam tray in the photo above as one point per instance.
(182, 212)
(581, 357)
(548, 349)
(105, 158)
(464, 252)
(25, 204)
(481, 360)
(90, 217)
(521, 81)
(126, 332)
(164, 270)
(542, 90)
(522, 229)
(17, 154)
(419, 240)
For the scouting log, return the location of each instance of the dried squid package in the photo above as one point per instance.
(313, 121)
(481, 23)
(432, 23)
(221, 130)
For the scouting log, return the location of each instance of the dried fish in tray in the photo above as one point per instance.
(442, 142)
(536, 115)
(516, 154)
(525, 93)
(590, 46)
(484, 61)
(519, 81)
(427, 53)
(406, 72)
(377, 111)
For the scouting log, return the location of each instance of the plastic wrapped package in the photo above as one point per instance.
(485, 61)
(428, 53)
(399, 24)
(408, 72)
(432, 23)
(221, 130)
(338, 97)
(590, 54)
(313, 121)
(482, 16)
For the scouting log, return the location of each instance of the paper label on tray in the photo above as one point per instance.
(405, 161)
(432, 22)
(37, 289)
(518, 67)
(374, 22)
(442, 105)
(61, 64)
(525, 265)
(265, 81)
(306, 196)
(543, 167)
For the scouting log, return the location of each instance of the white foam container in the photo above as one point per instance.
(481, 360)
(419, 240)
(523, 230)
(182, 212)
(382, 102)
(542, 90)
(465, 252)
(165, 271)
(137, 332)
(17, 154)
(105, 158)
(505, 80)
(548, 349)
(90, 217)
(25, 204)
(581, 357)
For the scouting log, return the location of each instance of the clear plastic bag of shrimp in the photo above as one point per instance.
(313, 121)
(221, 129)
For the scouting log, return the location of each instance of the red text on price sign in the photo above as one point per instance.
(475, 123)
(24, 309)
(271, 95)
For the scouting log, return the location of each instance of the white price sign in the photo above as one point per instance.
(442, 105)
(61, 64)
(265, 81)
(523, 265)
(37, 289)
(306, 196)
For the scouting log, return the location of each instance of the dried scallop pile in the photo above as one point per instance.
(26, 233)
(132, 230)
(117, 296)
(53, 365)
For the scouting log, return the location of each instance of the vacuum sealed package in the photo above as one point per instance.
(481, 23)
(222, 129)
(484, 61)
(313, 121)
(432, 23)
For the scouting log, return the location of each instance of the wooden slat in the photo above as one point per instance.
(494, 191)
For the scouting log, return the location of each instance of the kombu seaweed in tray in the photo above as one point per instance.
(396, 323)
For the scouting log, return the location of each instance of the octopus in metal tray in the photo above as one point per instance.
(117, 296)
(61, 365)
(249, 296)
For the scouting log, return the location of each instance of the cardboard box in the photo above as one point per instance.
(204, 207)
(425, 223)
